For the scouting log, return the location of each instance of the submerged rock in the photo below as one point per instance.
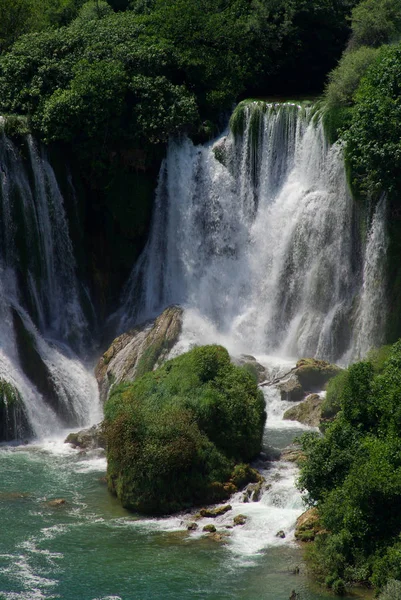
(192, 527)
(280, 534)
(308, 412)
(56, 503)
(87, 439)
(139, 351)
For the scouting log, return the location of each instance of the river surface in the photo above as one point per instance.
(90, 548)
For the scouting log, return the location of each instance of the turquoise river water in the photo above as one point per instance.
(90, 548)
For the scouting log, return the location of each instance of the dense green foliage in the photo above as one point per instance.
(353, 474)
(175, 435)
(138, 76)
(373, 140)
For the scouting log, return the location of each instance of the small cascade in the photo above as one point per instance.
(257, 235)
(372, 308)
(43, 329)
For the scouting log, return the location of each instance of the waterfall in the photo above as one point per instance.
(257, 236)
(43, 328)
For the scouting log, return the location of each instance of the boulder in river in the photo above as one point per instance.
(252, 365)
(139, 351)
(240, 520)
(308, 526)
(308, 412)
(313, 374)
(291, 389)
(215, 512)
(293, 454)
(87, 439)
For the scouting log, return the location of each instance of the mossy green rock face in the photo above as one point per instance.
(13, 418)
(313, 374)
(308, 526)
(139, 351)
(308, 412)
(175, 434)
(87, 439)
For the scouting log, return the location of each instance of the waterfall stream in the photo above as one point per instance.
(40, 307)
(257, 236)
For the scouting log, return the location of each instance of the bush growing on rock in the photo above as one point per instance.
(175, 435)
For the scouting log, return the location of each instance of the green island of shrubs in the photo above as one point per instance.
(353, 476)
(181, 436)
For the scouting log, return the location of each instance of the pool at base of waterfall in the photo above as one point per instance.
(86, 547)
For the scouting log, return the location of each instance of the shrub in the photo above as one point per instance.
(175, 435)
(344, 80)
(392, 591)
(375, 22)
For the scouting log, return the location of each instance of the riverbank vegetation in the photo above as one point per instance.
(353, 475)
(181, 436)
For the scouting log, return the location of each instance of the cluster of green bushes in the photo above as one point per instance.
(353, 475)
(137, 72)
(179, 436)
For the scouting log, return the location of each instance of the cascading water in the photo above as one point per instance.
(257, 236)
(40, 307)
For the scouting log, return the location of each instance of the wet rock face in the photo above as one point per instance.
(139, 351)
(87, 439)
(309, 375)
(291, 389)
(14, 424)
(308, 412)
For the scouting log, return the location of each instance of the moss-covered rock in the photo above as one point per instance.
(215, 512)
(313, 374)
(240, 520)
(175, 435)
(87, 439)
(293, 453)
(139, 351)
(308, 412)
(252, 365)
(308, 526)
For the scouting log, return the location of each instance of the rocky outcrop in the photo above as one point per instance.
(293, 454)
(291, 389)
(308, 526)
(251, 364)
(308, 412)
(215, 512)
(313, 374)
(139, 351)
(87, 439)
(309, 375)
